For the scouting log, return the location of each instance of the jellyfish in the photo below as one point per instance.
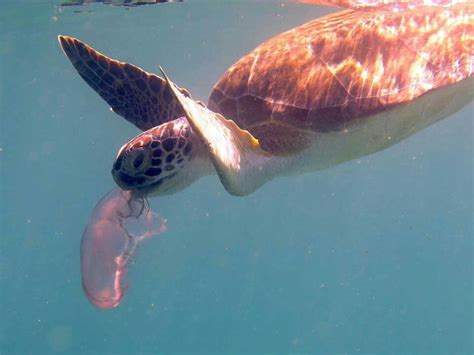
(119, 223)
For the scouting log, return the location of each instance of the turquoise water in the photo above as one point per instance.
(373, 256)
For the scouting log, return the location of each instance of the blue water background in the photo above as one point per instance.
(372, 256)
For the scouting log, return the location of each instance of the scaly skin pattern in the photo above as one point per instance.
(154, 157)
(345, 67)
(140, 97)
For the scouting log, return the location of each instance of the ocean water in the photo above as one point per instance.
(372, 256)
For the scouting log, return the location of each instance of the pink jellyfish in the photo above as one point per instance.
(108, 245)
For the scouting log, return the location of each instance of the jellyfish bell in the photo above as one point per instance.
(119, 223)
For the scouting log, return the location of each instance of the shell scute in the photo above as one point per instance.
(227, 106)
(291, 115)
(251, 109)
(348, 66)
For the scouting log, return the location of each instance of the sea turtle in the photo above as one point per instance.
(331, 90)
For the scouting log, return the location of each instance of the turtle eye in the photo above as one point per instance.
(138, 160)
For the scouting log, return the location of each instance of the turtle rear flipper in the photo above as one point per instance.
(141, 98)
(242, 165)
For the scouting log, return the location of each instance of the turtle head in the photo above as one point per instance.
(161, 160)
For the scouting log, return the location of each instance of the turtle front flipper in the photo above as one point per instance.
(141, 98)
(242, 165)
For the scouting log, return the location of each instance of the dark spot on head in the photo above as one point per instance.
(181, 143)
(126, 178)
(169, 143)
(170, 158)
(187, 149)
(118, 163)
(140, 180)
(180, 160)
(155, 144)
(169, 167)
(157, 153)
(153, 172)
(156, 162)
(138, 160)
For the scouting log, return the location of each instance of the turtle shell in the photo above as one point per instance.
(333, 72)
